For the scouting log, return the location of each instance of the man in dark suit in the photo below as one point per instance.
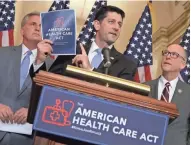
(168, 87)
(108, 22)
(15, 81)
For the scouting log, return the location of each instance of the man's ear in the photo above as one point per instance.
(97, 25)
(183, 65)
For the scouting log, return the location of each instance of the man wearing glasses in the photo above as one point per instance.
(169, 88)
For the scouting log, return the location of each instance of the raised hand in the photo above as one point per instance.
(81, 60)
(44, 49)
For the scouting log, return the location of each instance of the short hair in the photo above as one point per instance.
(102, 12)
(27, 16)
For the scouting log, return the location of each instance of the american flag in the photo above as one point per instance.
(88, 32)
(7, 18)
(59, 5)
(140, 46)
(185, 42)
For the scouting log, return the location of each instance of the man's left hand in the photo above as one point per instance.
(20, 116)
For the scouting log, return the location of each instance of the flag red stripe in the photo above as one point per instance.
(11, 37)
(147, 73)
(136, 77)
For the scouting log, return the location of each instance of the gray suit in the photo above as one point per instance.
(177, 130)
(10, 93)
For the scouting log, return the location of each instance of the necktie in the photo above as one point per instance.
(97, 58)
(24, 68)
(165, 93)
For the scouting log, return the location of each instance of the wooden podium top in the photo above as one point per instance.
(125, 97)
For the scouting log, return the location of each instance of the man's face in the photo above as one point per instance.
(109, 28)
(31, 31)
(173, 62)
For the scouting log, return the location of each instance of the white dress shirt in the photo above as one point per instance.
(161, 86)
(92, 51)
(32, 57)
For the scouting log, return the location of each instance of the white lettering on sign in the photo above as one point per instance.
(92, 124)
(150, 138)
(101, 116)
(125, 132)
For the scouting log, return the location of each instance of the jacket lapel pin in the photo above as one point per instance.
(179, 91)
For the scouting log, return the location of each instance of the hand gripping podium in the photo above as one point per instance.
(73, 111)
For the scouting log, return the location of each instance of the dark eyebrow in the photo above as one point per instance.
(35, 23)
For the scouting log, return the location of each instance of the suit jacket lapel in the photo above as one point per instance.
(113, 58)
(177, 92)
(154, 89)
(49, 61)
(27, 82)
(16, 56)
(114, 55)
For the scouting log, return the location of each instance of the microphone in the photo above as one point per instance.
(106, 56)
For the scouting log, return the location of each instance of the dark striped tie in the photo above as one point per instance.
(165, 93)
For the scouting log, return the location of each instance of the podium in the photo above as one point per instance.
(72, 111)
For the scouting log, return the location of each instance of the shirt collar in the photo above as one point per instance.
(95, 47)
(25, 50)
(172, 82)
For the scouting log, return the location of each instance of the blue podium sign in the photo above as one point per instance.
(60, 27)
(96, 120)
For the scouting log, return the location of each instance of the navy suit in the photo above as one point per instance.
(121, 66)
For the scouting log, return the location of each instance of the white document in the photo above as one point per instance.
(16, 128)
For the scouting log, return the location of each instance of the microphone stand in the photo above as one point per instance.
(107, 62)
(106, 69)
(106, 72)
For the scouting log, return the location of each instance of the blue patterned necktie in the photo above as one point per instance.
(24, 68)
(97, 59)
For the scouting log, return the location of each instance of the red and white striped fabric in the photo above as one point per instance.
(143, 74)
(7, 38)
(7, 17)
(140, 46)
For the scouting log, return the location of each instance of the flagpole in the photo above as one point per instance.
(154, 29)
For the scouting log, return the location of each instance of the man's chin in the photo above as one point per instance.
(166, 69)
(36, 40)
(110, 42)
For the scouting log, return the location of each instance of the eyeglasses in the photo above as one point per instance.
(174, 55)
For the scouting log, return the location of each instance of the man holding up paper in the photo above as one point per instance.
(15, 83)
(107, 23)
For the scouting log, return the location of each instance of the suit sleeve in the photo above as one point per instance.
(129, 75)
(32, 73)
(60, 64)
(129, 70)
